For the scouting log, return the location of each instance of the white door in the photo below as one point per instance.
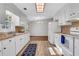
(8, 47)
(0, 49)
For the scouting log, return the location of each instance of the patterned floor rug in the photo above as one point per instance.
(30, 50)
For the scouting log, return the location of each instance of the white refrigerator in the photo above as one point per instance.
(52, 29)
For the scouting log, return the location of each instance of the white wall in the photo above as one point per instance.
(39, 28)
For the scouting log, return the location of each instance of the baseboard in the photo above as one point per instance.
(39, 38)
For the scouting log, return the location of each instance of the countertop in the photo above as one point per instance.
(4, 36)
(72, 35)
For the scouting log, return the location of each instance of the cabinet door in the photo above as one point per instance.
(0, 49)
(66, 52)
(72, 11)
(12, 47)
(58, 39)
(22, 41)
(18, 44)
(76, 47)
(28, 37)
(62, 17)
(8, 46)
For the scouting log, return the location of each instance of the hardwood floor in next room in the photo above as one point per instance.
(42, 47)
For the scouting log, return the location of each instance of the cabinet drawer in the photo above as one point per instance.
(66, 52)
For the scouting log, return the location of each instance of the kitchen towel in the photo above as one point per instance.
(62, 39)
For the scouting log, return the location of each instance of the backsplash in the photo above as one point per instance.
(65, 29)
(75, 24)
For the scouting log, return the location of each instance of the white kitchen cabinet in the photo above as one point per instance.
(8, 47)
(0, 49)
(18, 44)
(72, 11)
(58, 39)
(76, 47)
(28, 37)
(66, 52)
(21, 41)
(62, 17)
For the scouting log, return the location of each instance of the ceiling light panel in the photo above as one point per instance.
(40, 7)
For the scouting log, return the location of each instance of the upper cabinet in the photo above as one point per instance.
(11, 20)
(61, 17)
(70, 12)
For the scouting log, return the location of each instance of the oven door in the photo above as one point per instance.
(68, 45)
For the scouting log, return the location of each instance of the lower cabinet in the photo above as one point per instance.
(66, 52)
(76, 47)
(18, 44)
(12, 46)
(0, 49)
(8, 47)
(21, 41)
(58, 39)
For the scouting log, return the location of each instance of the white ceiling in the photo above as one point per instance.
(49, 11)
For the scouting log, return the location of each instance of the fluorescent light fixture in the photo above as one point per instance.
(40, 7)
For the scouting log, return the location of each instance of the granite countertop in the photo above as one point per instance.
(4, 36)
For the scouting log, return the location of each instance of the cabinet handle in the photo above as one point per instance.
(10, 40)
(4, 48)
